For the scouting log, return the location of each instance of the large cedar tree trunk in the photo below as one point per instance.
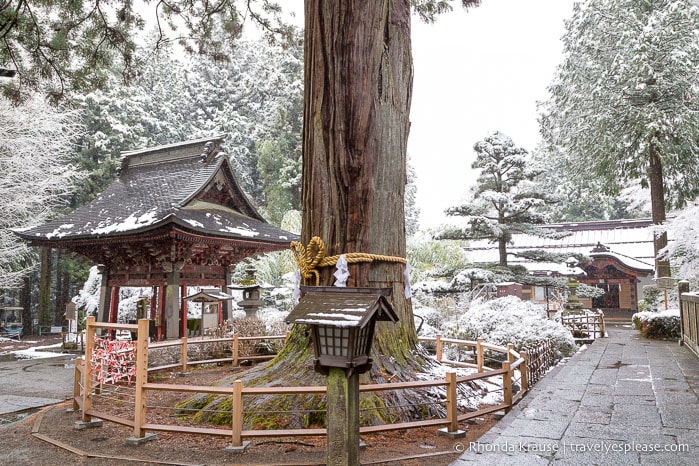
(358, 81)
(45, 317)
(358, 76)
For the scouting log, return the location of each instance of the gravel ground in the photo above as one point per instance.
(48, 436)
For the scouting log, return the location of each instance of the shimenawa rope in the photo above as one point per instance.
(312, 257)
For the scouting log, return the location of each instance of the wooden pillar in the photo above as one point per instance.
(105, 295)
(183, 311)
(172, 302)
(141, 379)
(343, 418)
(160, 315)
(114, 305)
(225, 308)
(87, 371)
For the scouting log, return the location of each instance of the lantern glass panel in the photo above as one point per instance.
(333, 340)
(363, 345)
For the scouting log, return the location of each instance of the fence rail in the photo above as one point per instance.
(513, 371)
(239, 347)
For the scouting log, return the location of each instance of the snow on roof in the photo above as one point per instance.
(341, 307)
(627, 261)
(628, 241)
(161, 189)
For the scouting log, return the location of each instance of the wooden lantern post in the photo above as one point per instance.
(342, 323)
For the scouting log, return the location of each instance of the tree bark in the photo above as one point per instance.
(358, 77)
(502, 250)
(657, 197)
(25, 301)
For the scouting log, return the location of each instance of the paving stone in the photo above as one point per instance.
(610, 404)
(14, 403)
(549, 429)
(597, 415)
(638, 416)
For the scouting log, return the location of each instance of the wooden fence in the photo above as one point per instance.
(585, 327)
(513, 371)
(540, 359)
(240, 348)
(689, 317)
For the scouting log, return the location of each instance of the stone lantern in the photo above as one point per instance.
(573, 305)
(251, 302)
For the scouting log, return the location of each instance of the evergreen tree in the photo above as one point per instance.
(583, 199)
(66, 47)
(623, 104)
(505, 198)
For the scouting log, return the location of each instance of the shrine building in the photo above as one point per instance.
(174, 217)
(621, 256)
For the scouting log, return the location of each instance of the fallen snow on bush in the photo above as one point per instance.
(511, 320)
(658, 325)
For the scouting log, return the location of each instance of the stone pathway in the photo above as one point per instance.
(622, 400)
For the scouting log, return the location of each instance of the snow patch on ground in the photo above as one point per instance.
(39, 352)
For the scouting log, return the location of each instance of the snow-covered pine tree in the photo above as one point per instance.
(623, 105)
(504, 199)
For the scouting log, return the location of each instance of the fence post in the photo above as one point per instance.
(234, 350)
(141, 379)
(237, 443)
(87, 373)
(507, 386)
(524, 370)
(438, 350)
(682, 287)
(510, 356)
(479, 355)
(183, 354)
(602, 329)
(77, 379)
(452, 430)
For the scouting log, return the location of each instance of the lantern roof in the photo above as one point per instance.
(208, 295)
(342, 307)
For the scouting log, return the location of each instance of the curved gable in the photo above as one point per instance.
(222, 189)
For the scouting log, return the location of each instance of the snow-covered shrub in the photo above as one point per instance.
(651, 298)
(511, 320)
(273, 319)
(428, 320)
(664, 325)
(128, 299)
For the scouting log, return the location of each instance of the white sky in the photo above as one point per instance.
(476, 72)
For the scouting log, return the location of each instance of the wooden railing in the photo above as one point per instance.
(689, 317)
(234, 343)
(585, 327)
(513, 372)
